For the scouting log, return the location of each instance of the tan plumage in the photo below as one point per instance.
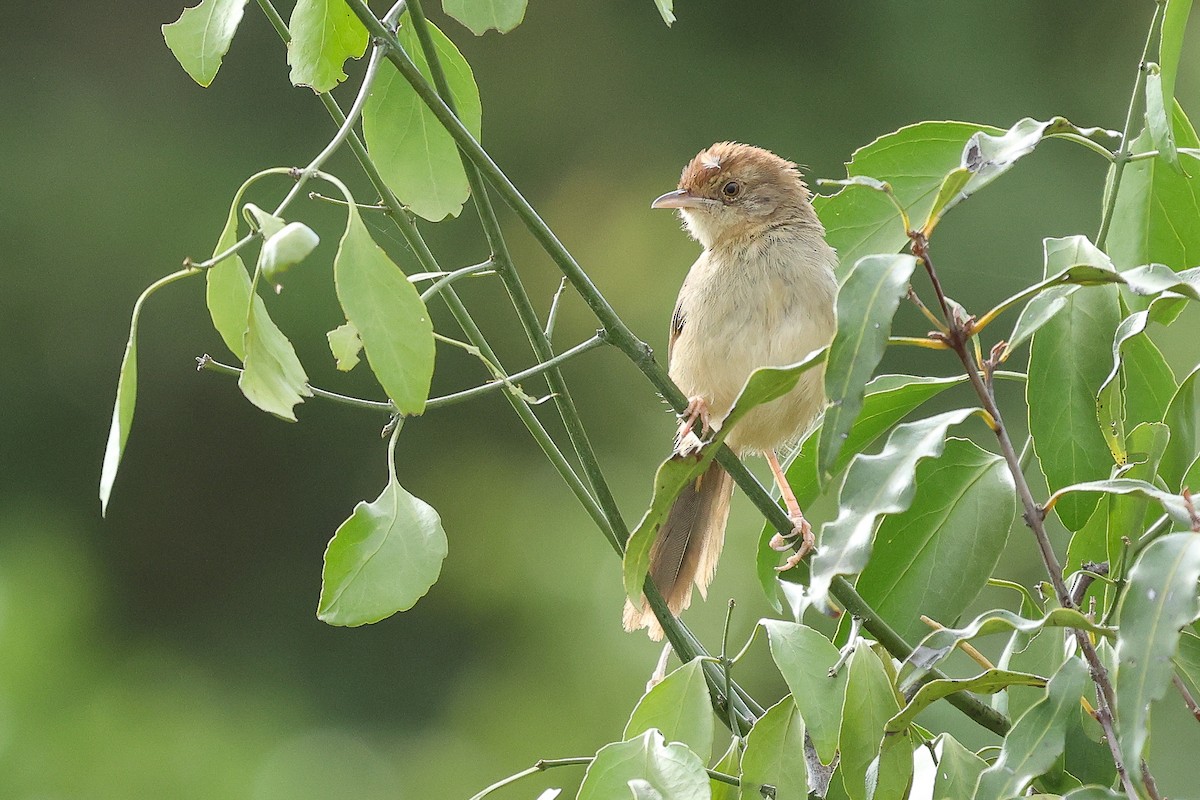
(761, 294)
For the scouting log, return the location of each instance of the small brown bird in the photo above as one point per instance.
(761, 294)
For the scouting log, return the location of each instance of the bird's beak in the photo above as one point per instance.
(680, 198)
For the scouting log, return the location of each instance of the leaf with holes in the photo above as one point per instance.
(679, 707)
(325, 33)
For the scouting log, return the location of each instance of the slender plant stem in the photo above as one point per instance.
(1122, 156)
(572, 421)
(1188, 700)
(210, 364)
(449, 278)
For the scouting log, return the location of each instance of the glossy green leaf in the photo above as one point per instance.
(345, 344)
(1037, 738)
(1187, 662)
(875, 485)
(228, 289)
(1170, 45)
(1149, 382)
(272, 378)
(775, 755)
(1040, 653)
(890, 774)
(938, 644)
(1158, 119)
(949, 194)
(870, 703)
(1093, 793)
(201, 36)
(666, 8)
(764, 385)
(671, 769)
(866, 304)
(1159, 599)
(957, 770)
(888, 399)
(1068, 360)
(416, 156)
(729, 764)
(1181, 417)
(391, 320)
(914, 160)
(1072, 255)
(804, 658)
(1173, 504)
(988, 682)
(485, 15)
(961, 513)
(1156, 219)
(325, 33)
(384, 558)
(679, 707)
(1147, 443)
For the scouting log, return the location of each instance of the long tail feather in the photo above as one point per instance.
(687, 547)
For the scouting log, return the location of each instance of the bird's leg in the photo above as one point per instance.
(801, 529)
(686, 441)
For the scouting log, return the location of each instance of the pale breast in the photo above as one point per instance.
(769, 307)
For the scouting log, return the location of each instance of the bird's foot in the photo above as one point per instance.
(686, 440)
(783, 542)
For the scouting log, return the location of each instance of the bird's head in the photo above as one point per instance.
(731, 190)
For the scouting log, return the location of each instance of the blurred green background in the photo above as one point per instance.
(172, 649)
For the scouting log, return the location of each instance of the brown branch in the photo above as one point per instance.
(957, 337)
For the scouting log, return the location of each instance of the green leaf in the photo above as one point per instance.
(764, 385)
(1170, 45)
(416, 155)
(345, 344)
(950, 194)
(805, 658)
(1158, 120)
(1093, 793)
(1159, 599)
(1037, 738)
(875, 485)
(671, 769)
(889, 398)
(914, 161)
(866, 304)
(678, 706)
(201, 36)
(1181, 418)
(384, 558)
(227, 292)
(1156, 219)
(1173, 504)
(387, 311)
(870, 703)
(775, 755)
(666, 8)
(988, 156)
(938, 644)
(1068, 360)
(485, 15)
(122, 417)
(1187, 662)
(1149, 382)
(325, 33)
(957, 770)
(988, 682)
(730, 764)
(961, 513)
(1072, 255)
(272, 378)
(890, 774)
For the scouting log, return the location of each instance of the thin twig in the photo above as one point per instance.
(1188, 700)
(967, 648)
(210, 364)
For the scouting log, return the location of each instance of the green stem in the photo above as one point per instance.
(210, 364)
(572, 421)
(437, 286)
(1123, 155)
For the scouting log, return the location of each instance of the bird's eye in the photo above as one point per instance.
(731, 189)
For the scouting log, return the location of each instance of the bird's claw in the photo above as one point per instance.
(686, 440)
(783, 542)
